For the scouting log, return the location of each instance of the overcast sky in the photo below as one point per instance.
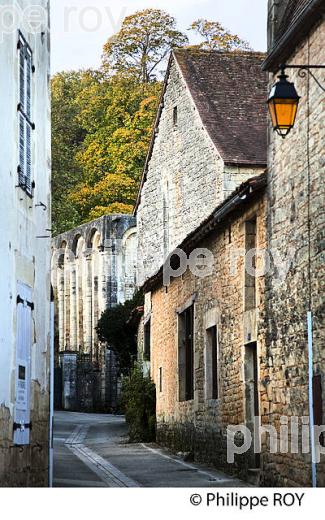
(81, 27)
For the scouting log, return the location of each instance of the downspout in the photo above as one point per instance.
(310, 313)
(311, 398)
(51, 391)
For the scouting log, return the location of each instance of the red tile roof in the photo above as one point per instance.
(230, 92)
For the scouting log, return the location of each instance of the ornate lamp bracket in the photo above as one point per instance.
(303, 70)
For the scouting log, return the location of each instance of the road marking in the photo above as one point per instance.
(108, 473)
(68, 482)
(212, 478)
(78, 435)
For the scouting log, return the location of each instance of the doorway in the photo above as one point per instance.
(251, 397)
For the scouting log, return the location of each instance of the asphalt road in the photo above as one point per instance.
(92, 450)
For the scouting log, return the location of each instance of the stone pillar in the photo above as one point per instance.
(73, 308)
(68, 362)
(88, 308)
(66, 305)
(60, 294)
(79, 298)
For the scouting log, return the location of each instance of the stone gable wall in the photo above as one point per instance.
(186, 180)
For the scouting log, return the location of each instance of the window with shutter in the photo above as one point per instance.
(186, 354)
(25, 115)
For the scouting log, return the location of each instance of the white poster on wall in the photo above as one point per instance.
(22, 423)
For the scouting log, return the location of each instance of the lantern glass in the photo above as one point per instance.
(283, 113)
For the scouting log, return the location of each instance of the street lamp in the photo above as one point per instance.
(283, 100)
(283, 105)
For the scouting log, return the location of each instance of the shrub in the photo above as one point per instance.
(139, 404)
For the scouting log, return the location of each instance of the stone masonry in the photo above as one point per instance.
(295, 195)
(186, 175)
(199, 425)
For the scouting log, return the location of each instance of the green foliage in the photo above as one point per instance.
(143, 43)
(216, 37)
(67, 136)
(116, 328)
(101, 132)
(139, 404)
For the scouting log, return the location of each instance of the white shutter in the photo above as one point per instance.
(28, 104)
(23, 365)
(22, 153)
(28, 157)
(25, 115)
(22, 82)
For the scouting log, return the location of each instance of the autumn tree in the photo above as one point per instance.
(216, 37)
(67, 137)
(143, 43)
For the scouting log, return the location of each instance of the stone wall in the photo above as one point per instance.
(199, 425)
(93, 268)
(186, 179)
(290, 198)
(25, 220)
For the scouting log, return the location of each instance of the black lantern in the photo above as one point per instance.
(283, 104)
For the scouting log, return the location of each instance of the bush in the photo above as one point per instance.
(139, 404)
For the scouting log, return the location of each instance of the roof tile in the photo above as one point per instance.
(230, 93)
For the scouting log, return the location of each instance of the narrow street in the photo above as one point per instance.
(92, 450)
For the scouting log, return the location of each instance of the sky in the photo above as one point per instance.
(81, 27)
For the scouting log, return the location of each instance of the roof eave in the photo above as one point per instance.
(312, 13)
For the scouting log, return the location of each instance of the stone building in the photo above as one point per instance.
(296, 197)
(232, 346)
(209, 137)
(25, 291)
(201, 189)
(204, 329)
(93, 268)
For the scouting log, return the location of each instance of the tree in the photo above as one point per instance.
(142, 44)
(117, 329)
(216, 37)
(67, 137)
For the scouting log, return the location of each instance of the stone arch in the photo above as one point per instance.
(75, 243)
(129, 261)
(90, 237)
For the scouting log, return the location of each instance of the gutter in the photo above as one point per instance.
(313, 12)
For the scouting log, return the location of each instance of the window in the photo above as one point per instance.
(212, 364)
(318, 405)
(175, 116)
(186, 354)
(24, 108)
(147, 340)
(160, 380)
(250, 265)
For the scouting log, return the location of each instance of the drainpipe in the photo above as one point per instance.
(51, 393)
(311, 398)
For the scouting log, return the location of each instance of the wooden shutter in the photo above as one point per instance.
(22, 423)
(189, 346)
